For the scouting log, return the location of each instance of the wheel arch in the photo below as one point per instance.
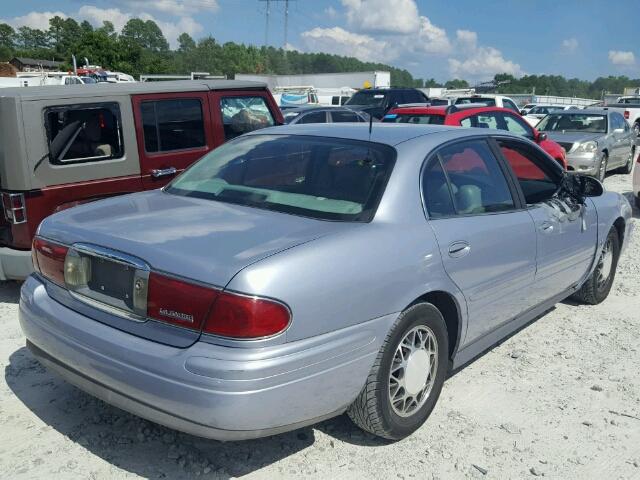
(449, 307)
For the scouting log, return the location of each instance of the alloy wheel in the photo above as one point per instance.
(413, 370)
(605, 264)
(602, 170)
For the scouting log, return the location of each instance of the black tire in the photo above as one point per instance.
(636, 129)
(629, 165)
(372, 410)
(602, 167)
(595, 289)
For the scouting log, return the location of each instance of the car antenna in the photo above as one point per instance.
(370, 125)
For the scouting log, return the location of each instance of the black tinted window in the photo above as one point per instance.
(313, 117)
(436, 191)
(343, 116)
(477, 181)
(84, 133)
(327, 178)
(426, 118)
(413, 96)
(172, 125)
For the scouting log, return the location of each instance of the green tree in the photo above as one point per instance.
(7, 36)
(186, 43)
(456, 83)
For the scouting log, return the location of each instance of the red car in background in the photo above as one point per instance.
(476, 116)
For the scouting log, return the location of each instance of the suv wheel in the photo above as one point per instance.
(597, 287)
(407, 376)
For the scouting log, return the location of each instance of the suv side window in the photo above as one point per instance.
(413, 96)
(476, 182)
(175, 124)
(536, 181)
(84, 133)
(244, 114)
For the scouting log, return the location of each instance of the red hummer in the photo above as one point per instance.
(62, 146)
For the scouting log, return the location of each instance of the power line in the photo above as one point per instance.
(286, 21)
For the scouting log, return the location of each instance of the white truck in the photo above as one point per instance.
(629, 106)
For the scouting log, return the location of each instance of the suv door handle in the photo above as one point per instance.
(459, 249)
(163, 172)
(546, 227)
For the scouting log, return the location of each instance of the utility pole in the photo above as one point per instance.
(266, 27)
(286, 21)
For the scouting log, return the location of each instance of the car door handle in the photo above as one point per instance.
(163, 172)
(459, 249)
(546, 227)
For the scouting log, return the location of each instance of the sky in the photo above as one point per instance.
(441, 39)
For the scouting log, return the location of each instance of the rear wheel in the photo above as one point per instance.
(597, 287)
(636, 129)
(407, 376)
(602, 167)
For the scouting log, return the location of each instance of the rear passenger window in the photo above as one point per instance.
(314, 117)
(437, 195)
(84, 133)
(476, 181)
(244, 114)
(339, 117)
(175, 124)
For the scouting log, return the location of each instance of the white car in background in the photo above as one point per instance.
(538, 112)
(525, 108)
(489, 100)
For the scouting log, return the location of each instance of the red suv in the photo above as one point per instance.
(476, 116)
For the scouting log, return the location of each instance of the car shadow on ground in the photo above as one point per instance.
(10, 291)
(151, 450)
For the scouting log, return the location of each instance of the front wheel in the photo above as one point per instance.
(602, 167)
(628, 167)
(407, 376)
(597, 287)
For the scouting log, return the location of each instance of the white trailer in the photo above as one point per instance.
(354, 80)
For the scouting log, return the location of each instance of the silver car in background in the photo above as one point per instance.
(303, 271)
(596, 140)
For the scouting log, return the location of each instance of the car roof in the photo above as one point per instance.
(446, 110)
(308, 108)
(590, 111)
(387, 133)
(126, 88)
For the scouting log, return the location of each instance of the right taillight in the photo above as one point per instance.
(241, 316)
(14, 207)
(626, 114)
(48, 259)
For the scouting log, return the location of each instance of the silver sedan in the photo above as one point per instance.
(300, 272)
(596, 140)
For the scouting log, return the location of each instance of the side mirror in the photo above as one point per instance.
(541, 137)
(590, 186)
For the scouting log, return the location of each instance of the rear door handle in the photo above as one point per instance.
(459, 249)
(163, 172)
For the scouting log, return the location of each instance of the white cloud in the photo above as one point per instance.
(431, 39)
(178, 8)
(330, 12)
(484, 62)
(467, 39)
(96, 16)
(625, 59)
(570, 45)
(383, 16)
(339, 41)
(39, 20)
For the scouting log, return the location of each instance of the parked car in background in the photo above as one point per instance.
(304, 271)
(630, 111)
(525, 108)
(475, 115)
(313, 114)
(489, 100)
(538, 112)
(378, 101)
(633, 99)
(58, 151)
(596, 140)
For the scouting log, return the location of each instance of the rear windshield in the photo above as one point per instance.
(489, 102)
(427, 118)
(324, 178)
(367, 97)
(573, 122)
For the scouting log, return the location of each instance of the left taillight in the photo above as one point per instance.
(48, 259)
(14, 206)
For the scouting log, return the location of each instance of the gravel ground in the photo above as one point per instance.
(560, 399)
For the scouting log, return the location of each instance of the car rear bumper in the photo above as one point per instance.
(206, 390)
(15, 264)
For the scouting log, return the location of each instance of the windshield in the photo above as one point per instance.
(289, 116)
(318, 177)
(426, 118)
(573, 122)
(489, 102)
(367, 97)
